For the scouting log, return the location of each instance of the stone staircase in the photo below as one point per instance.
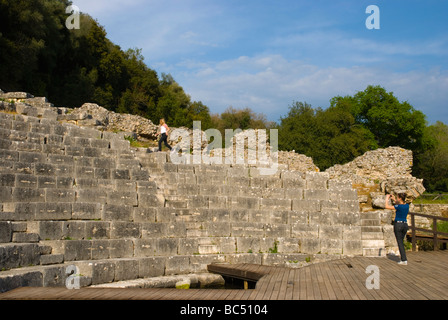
(372, 235)
(72, 195)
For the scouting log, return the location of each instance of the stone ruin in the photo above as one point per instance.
(73, 192)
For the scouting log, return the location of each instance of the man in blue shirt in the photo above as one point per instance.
(400, 223)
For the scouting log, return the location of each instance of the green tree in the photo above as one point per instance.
(431, 160)
(392, 122)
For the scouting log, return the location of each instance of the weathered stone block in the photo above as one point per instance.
(316, 194)
(330, 232)
(348, 206)
(121, 229)
(352, 247)
(247, 245)
(86, 211)
(117, 213)
(121, 248)
(122, 198)
(247, 229)
(53, 211)
(306, 205)
(177, 265)
(99, 271)
(100, 249)
(24, 194)
(304, 230)
(310, 245)
(277, 230)
(145, 247)
(91, 196)
(126, 269)
(243, 203)
(218, 229)
(59, 195)
(44, 182)
(75, 229)
(151, 267)
(331, 246)
(97, 229)
(167, 247)
(5, 231)
(76, 250)
(275, 204)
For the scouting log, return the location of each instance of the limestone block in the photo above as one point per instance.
(247, 245)
(150, 200)
(331, 246)
(316, 194)
(121, 229)
(239, 215)
(46, 182)
(121, 174)
(298, 217)
(352, 247)
(304, 230)
(97, 229)
(348, 206)
(330, 232)
(275, 204)
(145, 247)
(343, 194)
(121, 198)
(75, 229)
(352, 233)
(100, 249)
(77, 250)
(121, 248)
(29, 279)
(288, 245)
(53, 211)
(25, 195)
(167, 246)
(59, 195)
(293, 182)
(188, 246)
(247, 229)
(277, 230)
(98, 271)
(117, 213)
(126, 269)
(243, 203)
(177, 265)
(5, 231)
(86, 211)
(278, 217)
(218, 229)
(151, 267)
(306, 205)
(217, 202)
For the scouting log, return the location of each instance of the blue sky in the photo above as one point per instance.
(266, 54)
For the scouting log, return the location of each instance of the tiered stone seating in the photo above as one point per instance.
(78, 196)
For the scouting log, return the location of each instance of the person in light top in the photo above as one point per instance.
(163, 132)
(400, 223)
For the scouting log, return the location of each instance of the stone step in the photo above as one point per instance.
(372, 236)
(25, 237)
(374, 252)
(368, 229)
(370, 222)
(378, 243)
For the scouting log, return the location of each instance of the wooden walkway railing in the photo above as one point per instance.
(434, 235)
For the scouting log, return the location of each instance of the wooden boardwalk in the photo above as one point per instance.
(424, 278)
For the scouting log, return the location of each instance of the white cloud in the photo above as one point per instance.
(270, 83)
